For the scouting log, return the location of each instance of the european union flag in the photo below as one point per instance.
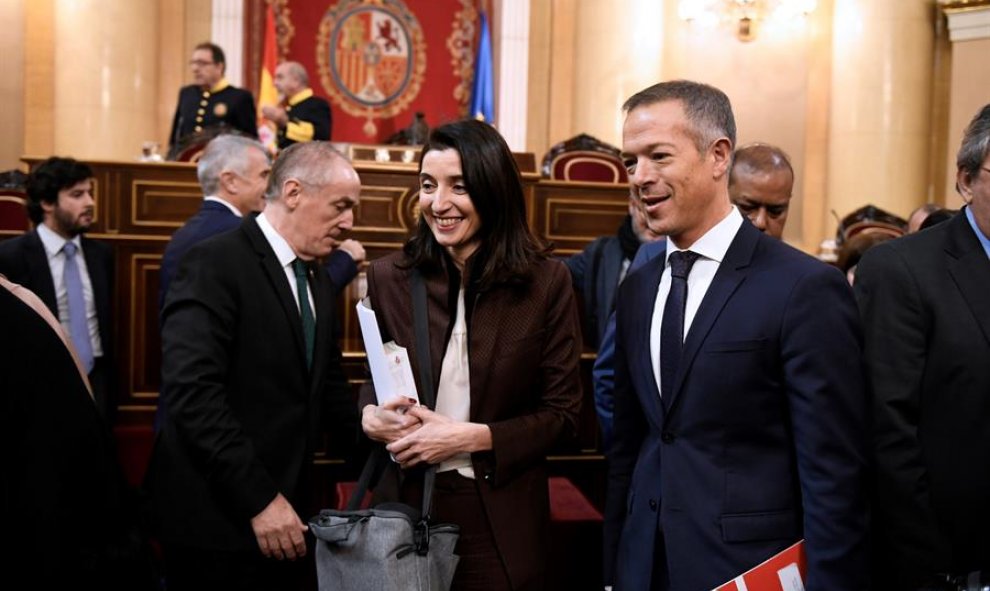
(483, 94)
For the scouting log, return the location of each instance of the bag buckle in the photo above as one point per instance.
(422, 537)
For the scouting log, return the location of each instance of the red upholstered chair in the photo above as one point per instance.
(869, 219)
(13, 213)
(584, 158)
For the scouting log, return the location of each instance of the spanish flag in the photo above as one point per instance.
(267, 94)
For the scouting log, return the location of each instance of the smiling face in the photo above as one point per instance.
(683, 191)
(72, 213)
(446, 205)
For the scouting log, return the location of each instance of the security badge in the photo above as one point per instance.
(220, 109)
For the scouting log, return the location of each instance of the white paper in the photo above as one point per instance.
(790, 578)
(389, 363)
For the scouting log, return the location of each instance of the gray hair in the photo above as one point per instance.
(759, 157)
(975, 143)
(298, 71)
(224, 153)
(306, 162)
(707, 108)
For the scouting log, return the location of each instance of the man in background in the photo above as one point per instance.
(251, 379)
(211, 101)
(925, 303)
(72, 274)
(302, 116)
(760, 184)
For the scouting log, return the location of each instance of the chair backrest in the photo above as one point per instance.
(869, 219)
(13, 212)
(584, 158)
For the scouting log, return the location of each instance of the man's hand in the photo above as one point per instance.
(279, 531)
(275, 114)
(353, 248)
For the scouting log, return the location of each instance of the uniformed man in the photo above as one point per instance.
(212, 101)
(301, 117)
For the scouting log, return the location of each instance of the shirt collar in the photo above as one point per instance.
(53, 243)
(716, 241)
(283, 252)
(984, 240)
(300, 96)
(220, 85)
(227, 204)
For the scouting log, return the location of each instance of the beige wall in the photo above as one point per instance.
(970, 90)
(12, 83)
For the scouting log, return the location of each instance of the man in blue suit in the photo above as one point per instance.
(740, 412)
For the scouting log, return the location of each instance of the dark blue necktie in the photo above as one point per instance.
(308, 322)
(78, 323)
(672, 325)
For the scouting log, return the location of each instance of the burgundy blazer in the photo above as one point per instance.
(524, 345)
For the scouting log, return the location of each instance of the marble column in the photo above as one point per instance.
(105, 77)
(880, 115)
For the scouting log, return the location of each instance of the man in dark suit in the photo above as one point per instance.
(302, 116)
(250, 374)
(211, 101)
(925, 301)
(740, 414)
(77, 289)
(233, 172)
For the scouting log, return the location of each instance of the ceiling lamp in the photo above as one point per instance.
(744, 14)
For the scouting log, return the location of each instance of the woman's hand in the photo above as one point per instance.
(439, 438)
(390, 421)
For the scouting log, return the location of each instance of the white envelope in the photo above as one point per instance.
(389, 363)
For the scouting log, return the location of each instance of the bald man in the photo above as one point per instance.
(301, 116)
(760, 184)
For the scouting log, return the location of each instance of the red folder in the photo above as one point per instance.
(782, 572)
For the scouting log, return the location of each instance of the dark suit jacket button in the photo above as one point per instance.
(653, 504)
(667, 437)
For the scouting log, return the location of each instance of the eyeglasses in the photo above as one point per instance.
(200, 63)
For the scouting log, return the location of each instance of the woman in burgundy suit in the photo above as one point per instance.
(504, 343)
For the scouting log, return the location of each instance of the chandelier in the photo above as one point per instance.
(744, 14)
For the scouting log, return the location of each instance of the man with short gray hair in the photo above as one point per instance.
(251, 378)
(233, 172)
(301, 116)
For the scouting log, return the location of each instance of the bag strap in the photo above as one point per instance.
(372, 471)
(421, 326)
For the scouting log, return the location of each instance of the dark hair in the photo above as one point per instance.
(50, 177)
(761, 158)
(217, 52)
(508, 247)
(707, 108)
(975, 144)
(937, 217)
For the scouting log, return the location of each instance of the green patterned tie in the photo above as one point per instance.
(308, 323)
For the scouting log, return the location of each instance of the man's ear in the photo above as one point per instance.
(721, 153)
(227, 178)
(48, 206)
(964, 183)
(291, 193)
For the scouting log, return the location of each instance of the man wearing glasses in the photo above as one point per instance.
(211, 101)
(925, 303)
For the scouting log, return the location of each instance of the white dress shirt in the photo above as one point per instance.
(53, 244)
(454, 391)
(285, 256)
(712, 248)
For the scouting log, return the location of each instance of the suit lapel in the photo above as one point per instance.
(731, 272)
(640, 359)
(41, 273)
(970, 269)
(279, 282)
